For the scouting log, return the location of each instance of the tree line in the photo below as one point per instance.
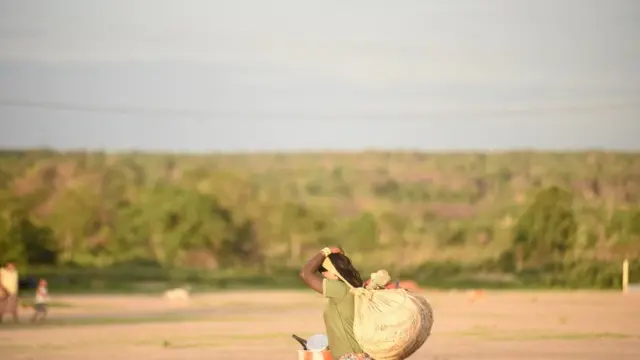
(548, 217)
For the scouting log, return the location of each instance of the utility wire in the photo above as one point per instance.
(451, 112)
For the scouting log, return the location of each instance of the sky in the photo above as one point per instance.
(285, 75)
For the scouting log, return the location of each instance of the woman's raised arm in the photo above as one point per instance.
(309, 272)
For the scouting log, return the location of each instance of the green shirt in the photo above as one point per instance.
(338, 318)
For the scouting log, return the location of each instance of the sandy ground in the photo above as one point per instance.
(258, 325)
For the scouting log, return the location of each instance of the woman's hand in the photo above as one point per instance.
(336, 250)
(331, 250)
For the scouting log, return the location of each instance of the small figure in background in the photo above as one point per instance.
(40, 305)
(9, 291)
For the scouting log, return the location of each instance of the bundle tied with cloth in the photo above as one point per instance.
(389, 324)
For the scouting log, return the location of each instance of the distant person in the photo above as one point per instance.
(9, 291)
(40, 304)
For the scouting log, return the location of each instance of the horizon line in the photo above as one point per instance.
(315, 151)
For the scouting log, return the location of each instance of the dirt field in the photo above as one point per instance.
(258, 325)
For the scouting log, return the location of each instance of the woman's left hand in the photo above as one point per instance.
(336, 250)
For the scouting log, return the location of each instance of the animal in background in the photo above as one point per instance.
(178, 294)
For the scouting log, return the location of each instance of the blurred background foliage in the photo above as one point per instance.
(136, 221)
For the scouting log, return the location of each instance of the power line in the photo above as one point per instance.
(461, 111)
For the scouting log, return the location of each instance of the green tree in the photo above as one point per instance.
(361, 232)
(625, 224)
(169, 221)
(38, 242)
(24, 242)
(73, 218)
(11, 247)
(393, 226)
(547, 229)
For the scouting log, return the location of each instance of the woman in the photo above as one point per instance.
(339, 312)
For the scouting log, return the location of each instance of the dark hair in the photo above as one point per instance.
(346, 269)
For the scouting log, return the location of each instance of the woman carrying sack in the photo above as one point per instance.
(386, 324)
(339, 312)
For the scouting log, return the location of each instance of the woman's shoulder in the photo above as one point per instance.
(336, 284)
(335, 289)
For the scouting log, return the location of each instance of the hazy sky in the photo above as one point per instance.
(243, 75)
